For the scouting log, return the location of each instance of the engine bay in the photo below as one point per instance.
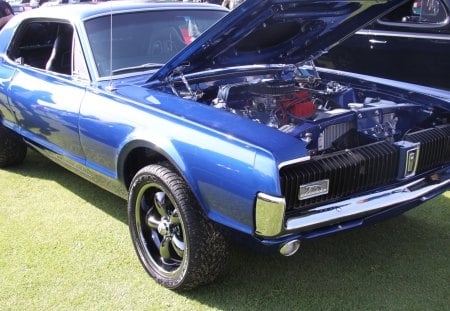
(326, 115)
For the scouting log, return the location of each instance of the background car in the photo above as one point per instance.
(215, 124)
(412, 43)
(20, 6)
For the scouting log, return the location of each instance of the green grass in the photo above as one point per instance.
(64, 244)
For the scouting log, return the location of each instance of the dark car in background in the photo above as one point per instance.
(411, 43)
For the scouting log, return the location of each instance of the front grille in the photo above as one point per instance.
(434, 147)
(362, 168)
(348, 171)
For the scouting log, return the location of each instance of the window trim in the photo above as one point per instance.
(17, 38)
(442, 24)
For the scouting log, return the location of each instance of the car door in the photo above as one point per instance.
(412, 44)
(44, 93)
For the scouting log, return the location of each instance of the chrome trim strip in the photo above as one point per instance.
(363, 205)
(298, 160)
(400, 34)
(269, 215)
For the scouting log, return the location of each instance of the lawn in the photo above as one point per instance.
(64, 244)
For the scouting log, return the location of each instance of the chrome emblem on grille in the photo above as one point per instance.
(411, 160)
(409, 154)
(313, 189)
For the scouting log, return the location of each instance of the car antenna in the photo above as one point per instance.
(110, 87)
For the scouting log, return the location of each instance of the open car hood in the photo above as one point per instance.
(275, 32)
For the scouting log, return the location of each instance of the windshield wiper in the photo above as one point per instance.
(142, 67)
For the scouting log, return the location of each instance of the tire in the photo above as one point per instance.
(175, 243)
(12, 149)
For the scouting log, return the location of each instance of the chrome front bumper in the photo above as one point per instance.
(270, 210)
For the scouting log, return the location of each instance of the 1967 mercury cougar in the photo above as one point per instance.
(215, 124)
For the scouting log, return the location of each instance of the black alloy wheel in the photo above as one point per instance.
(175, 243)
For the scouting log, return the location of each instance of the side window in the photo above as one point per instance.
(80, 69)
(43, 45)
(419, 12)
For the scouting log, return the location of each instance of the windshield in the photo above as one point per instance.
(144, 40)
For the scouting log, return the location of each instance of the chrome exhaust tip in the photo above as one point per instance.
(290, 248)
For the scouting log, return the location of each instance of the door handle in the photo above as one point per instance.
(375, 41)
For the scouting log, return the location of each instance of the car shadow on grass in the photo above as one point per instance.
(37, 166)
(399, 264)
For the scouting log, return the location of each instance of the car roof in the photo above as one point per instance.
(84, 11)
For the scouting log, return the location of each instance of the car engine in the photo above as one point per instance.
(328, 117)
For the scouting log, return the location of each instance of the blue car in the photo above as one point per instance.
(217, 125)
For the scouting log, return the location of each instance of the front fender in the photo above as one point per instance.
(221, 173)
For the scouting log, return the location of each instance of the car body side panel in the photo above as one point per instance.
(6, 74)
(47, 109)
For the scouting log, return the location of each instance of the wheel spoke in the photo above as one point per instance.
(144, 205)
(164, 248)
(160, 203)
(152, 222)
(155, 238)
(178, 246)
(175, 218)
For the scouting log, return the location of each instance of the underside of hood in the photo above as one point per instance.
(274, 32)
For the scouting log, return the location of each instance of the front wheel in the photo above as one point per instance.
(175, 243)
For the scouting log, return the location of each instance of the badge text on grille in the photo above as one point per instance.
(313, 189)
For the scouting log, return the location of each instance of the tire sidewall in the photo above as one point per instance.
(146, 176)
